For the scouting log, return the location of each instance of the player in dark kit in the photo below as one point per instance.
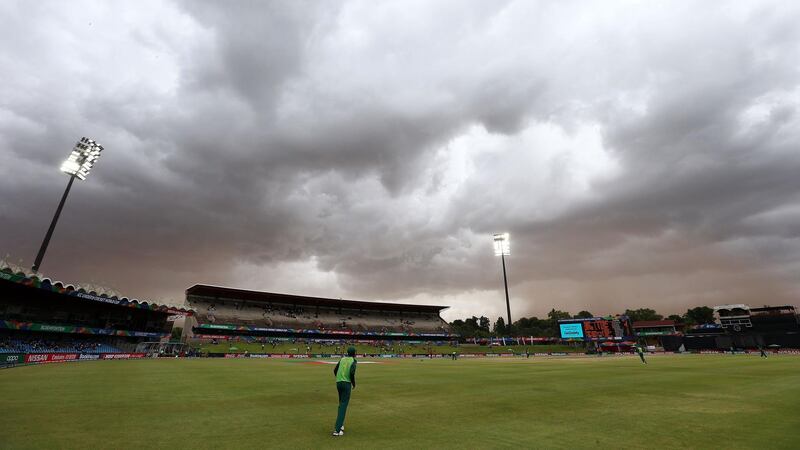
(640, 352)
(763, 353)
(345, 372)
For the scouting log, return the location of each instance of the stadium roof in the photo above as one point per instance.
(226, 293)
(730, 307)
(76, 291)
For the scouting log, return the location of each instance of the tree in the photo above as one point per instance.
(556, 315)
(470, 327)
(676, 318)
(583, 315)
(699, 315)
(533, 326)
(500, 327)
(641, 314)
(483, 323)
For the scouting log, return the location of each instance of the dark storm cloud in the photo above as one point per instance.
(639, 155)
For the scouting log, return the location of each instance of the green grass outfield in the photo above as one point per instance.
(682, 401)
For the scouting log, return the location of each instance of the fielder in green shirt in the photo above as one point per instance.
(640, 352)
(345, 372)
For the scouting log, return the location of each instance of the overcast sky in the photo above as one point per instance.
(641, 154)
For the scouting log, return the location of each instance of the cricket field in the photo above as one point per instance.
(680, 401)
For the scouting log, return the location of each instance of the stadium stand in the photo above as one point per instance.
(40, 343)
(742, 327)
(749, 327)
(740, 318)
(45, 316)
(220, 310)
(653, 332)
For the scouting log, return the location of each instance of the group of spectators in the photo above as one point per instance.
(267, 310)
(5, 345)
(41, 345)
(321, 318)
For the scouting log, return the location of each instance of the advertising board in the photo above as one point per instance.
(7, 359)
(121, 355)
(50, 357)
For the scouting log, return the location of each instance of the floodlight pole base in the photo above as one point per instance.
(50, 230)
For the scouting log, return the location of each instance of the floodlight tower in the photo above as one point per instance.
(77, 165)
(502, 248)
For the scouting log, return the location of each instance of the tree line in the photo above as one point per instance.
(534, 326)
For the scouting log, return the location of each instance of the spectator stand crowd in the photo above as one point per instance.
(37, 344)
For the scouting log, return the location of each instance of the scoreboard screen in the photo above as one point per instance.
(571, 330)
(596, 328)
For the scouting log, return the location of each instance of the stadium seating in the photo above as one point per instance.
(38, 345)
(319, 318)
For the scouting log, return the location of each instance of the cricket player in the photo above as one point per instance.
(763, 353)
(640, 352)
(345, 372)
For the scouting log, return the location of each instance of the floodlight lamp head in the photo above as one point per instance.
(502, 244)
(82, 158)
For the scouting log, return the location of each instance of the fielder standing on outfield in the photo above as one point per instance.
(640, 351)
(345, 372)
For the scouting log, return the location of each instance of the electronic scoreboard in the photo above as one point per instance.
(596, 328)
